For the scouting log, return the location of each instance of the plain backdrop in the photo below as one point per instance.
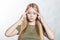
(11, 10)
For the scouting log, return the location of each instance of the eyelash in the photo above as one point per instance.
(34, 13)
(28, 13)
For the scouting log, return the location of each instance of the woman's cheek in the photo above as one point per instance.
(35, 16)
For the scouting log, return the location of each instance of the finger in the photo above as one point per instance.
(22, 15)
(26, 12)
(38, 13)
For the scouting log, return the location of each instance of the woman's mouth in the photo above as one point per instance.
(31, 18)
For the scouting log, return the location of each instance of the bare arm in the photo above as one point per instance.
(49, 34)
(12, 30)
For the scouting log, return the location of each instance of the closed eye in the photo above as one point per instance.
(34, 13)
(29, 13)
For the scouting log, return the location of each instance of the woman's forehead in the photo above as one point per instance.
(31, 9)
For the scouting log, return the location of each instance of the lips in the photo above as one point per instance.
(31, 18)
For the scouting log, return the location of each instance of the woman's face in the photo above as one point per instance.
(32, 15)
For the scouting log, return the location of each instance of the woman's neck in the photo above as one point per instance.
(32, 23)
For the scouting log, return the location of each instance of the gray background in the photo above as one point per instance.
(11, 10)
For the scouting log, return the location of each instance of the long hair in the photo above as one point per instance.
(25, 24)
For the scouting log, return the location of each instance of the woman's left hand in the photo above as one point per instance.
(39, 16)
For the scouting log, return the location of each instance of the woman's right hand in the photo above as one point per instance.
(12, 30)
(23, 15)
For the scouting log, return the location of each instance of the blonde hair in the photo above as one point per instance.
(38, 24)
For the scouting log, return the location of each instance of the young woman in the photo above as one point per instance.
(30, 26)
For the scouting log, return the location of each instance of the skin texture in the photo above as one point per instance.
(32, 15)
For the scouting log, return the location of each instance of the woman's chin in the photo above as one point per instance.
(31, 20)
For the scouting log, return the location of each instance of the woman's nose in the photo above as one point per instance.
(31, 15)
